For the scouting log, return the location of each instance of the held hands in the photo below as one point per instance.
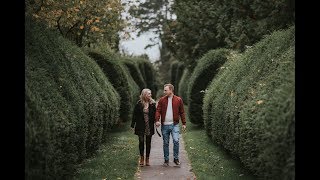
(184, 127)
(158, 123)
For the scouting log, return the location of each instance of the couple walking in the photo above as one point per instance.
(146, 115)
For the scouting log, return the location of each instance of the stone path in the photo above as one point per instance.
(156, 170)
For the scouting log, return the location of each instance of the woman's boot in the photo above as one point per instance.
(141, 160)
(147, 161)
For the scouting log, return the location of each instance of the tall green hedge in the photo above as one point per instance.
(134, 88)
(135, 72)
(150, 77)
(176, 71)
(142, 72)
(116, 73)
(250, 106)
(179, 73)
(173, 71)
(183, 85)
(206, 69)
(70, 104)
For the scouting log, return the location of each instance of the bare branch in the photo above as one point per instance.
(73, 26)
(58, 25)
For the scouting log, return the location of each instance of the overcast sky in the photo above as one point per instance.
(137, 45)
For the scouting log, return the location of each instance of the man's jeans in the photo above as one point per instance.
(174, 130)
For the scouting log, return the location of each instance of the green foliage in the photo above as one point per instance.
(150, 77)
(203, 25)
(150, 15)
(142, 72)
(176, 70)
(83, 22)
(134, 70)
(148, 72)
(206, 69)
(249, 107)
(210, 161)
(162, 66)
(115, 160)
(113, 69)
(183, 85)
(70, 105)
(178, 77)
(134, 88)
(173, 71)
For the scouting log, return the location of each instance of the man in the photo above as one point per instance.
(170, 109)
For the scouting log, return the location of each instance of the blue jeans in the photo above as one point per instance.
(174, 130)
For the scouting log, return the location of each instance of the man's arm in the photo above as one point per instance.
(182, 113)
(158, 111)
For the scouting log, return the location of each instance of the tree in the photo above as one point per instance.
(83, 21)
(155, 16)
(204, 25)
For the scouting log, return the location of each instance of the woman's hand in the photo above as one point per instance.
(184, 127)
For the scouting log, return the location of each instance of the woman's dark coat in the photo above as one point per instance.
(138, 120)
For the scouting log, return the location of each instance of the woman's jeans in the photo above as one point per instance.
(148, 145)
(174, 130)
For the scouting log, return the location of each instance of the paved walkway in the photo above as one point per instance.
(156, 170)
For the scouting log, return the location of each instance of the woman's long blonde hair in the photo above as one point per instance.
(143, 97)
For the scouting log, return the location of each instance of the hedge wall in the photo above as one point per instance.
(135, 72)
(176, 72)
(173, 71)
(250, 109)
(134, 88)
(116, 73)
(183, 85)
(207, 67)
(150, 77)
(143, 72)
(69, 104)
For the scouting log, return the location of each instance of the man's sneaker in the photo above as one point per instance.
(176, 161)
(166, 163)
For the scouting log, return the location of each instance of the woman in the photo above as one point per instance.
(143, 123)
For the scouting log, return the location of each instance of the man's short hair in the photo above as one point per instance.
(171, 87)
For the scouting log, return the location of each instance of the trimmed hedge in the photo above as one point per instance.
(183, 85)
(147, 72)
(206, 69)
(134, 70)
(178, 77)
(115, 72)
(69, 104)
(150, 77)
(176, 72)
(173, 71)
(134, 88)
(249, 107)
(143, 73)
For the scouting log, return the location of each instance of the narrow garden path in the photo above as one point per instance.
(156, 170)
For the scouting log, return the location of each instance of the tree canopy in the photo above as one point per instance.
(83, 21)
